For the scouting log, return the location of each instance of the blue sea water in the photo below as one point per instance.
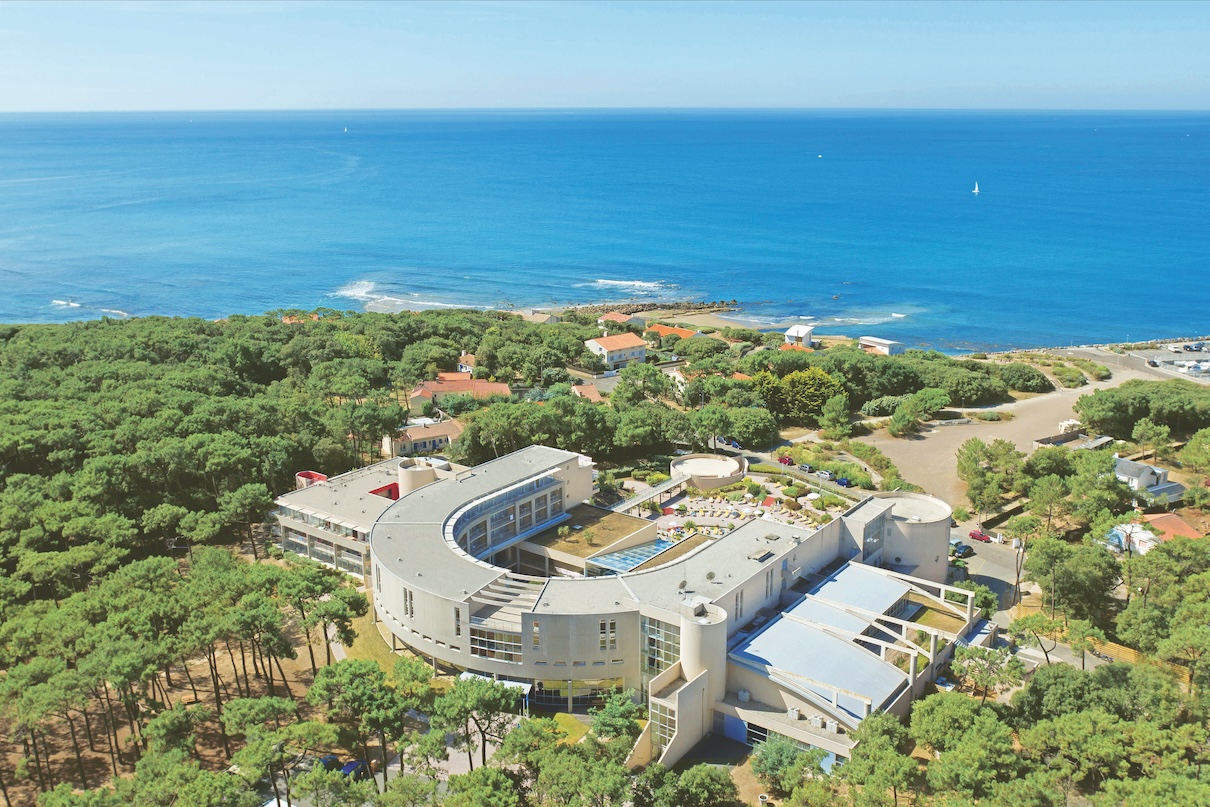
(1090, 227)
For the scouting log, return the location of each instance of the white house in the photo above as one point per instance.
(799, 335)
(887, 347)
(1148, 479)
(619, 350)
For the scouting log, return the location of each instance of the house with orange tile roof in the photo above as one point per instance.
(1170, 526)
(670, 330)
(619, 350)
(421, 439)
(466, 362)
(620, 318)
(788, 346)
(588, 392)
(462, 385)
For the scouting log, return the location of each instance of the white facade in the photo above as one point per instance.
(874, 344)
(799, 335)
(618, 351)
(447, 583)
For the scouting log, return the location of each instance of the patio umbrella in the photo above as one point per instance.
(812, 496)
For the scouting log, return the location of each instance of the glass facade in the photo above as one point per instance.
(663, 726)
(585, 693)
(496, 644)
(661, 647)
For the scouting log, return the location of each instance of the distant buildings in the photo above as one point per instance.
(619, 350)
(887, 347)
(540, 317)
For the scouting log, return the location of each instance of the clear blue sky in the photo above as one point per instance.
(320, 55)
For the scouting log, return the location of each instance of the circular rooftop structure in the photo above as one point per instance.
(709, 471)
(916, 507)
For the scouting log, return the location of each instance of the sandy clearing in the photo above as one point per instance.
(928, 459)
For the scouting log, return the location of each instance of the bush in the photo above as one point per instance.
(1069, 377)
(961, 514)
(1023, 378)
(791, 492)
(791, 504)
(656, 478)
(980, 356)
(988, 416)
(1098, 371)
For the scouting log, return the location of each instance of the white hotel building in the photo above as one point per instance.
(771, 629)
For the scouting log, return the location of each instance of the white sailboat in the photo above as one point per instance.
(976, 190)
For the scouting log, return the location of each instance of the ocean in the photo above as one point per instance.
(1089, 227)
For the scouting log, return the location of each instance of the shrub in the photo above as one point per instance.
(988, 416)
(1098, 371)
(961, 514)
(791, 504)
(980, 356)
(1023, 378)
(656, 478)
(1069, 376)
(791, 492)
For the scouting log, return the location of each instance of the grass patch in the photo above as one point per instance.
(574, 728)
(369, 645)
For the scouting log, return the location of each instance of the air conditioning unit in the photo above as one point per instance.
(744, 696)
(816, 721)
(792, 713)
(830, 727)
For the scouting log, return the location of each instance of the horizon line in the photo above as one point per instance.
(583, 109)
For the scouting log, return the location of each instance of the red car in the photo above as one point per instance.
(980, 535)
(785, 460)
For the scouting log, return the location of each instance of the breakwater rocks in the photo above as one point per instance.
(638, 308)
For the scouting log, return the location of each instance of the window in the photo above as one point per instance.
(457, 621)
(378, 577)
(663, 725)
(739, 605)
(662, 645)
(409, 609)
(536, 633)
(603, 635)
(768, 582)
(495, 644)
(613, 634)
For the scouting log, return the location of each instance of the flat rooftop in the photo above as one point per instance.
(607, 528)
(813, 659)
(347, 498)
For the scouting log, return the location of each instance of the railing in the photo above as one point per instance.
(650, 493)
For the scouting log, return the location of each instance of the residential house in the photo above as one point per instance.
(466, 362)
(800, 335)
(588, 392)
(421, 438)
(1148, 479)
(540, 317)
(619, 350)
(616, 317)
(661, 331)
(454, 384)
(1171, 526)
(887, 347)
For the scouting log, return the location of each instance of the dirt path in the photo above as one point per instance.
(928, 459)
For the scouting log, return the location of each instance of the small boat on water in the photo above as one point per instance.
(976, 190)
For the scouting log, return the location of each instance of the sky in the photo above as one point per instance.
(127, 55)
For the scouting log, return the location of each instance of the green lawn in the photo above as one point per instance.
(370, 645)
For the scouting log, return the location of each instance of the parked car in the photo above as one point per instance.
(960, 550)
(358, 769)
(844, 482)
(806, 467)
(308, 762)
(825, 475)
(980, 535)
(1152, 363)
(785, 460)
